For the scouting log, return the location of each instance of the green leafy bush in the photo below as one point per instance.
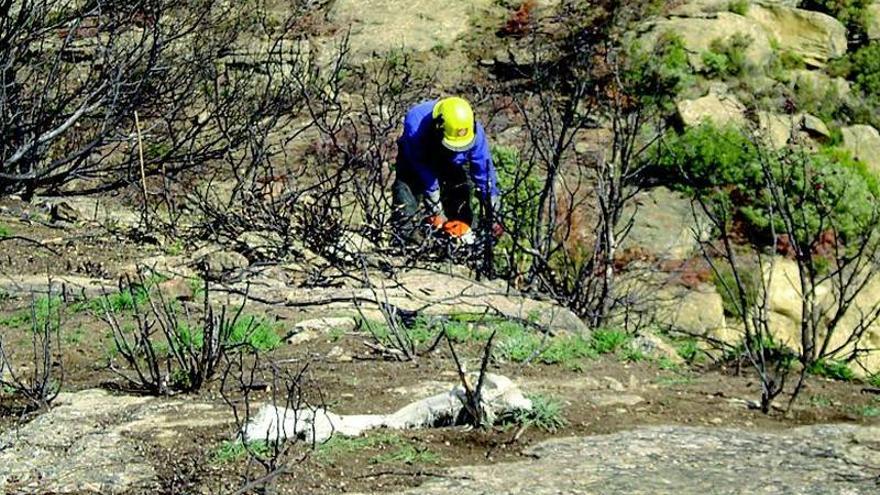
(728, 58)
(727, 169)
(656, 76)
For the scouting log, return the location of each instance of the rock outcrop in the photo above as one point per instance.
(863, 141)
(85, 443)
(814, 36)
(813, 460)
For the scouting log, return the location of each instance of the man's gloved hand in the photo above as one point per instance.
(436, 221)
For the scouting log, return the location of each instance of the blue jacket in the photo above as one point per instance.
(419, 150)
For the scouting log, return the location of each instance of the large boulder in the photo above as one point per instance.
(698, 33)
(720, 110)
(663, 224)
(775, 129)
(863, 141)
(814, 36)
(698, 312)
(785, 298)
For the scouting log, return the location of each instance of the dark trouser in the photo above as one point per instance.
(408, 214)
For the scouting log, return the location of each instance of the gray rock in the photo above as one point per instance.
(813, 460)
(655, 347)
(664, 224)
(814, 126)
(720, 110)
(84, 444)
(216, 262)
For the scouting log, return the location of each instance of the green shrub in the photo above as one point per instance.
(46, 309)
(832, 369)
(724, 167)
(520, 185)
(656, 76)
(546, 414)
(689, 350)
(728, 58)
(258, 333)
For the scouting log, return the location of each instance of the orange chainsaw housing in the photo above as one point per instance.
(456, 228)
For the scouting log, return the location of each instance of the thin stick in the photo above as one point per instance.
(137, 126)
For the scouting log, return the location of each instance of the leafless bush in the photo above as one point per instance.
(76, 74)
(581, 77)
(166, 352)
(38, 383)
(273, 456)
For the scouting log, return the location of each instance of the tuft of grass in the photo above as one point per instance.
(820, 401)
(832, 369)
(257, 333)
(4, 231)
(665, 363)
(546, 414)
(408, 454)
(740, 7)
(632, 355)
(339, 445)
(689, 351)
(606, 341)
(233, 450)
(874, 380)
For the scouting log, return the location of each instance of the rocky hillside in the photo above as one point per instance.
(201, 290)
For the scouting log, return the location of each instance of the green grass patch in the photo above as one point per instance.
(832, 369)
(665, 363)
(230, 451)
(820, 401)
(606, 341)
(339, 445)
(4, 231)
(43, 308)
(689, 350)
(407, 454)
(258, 333)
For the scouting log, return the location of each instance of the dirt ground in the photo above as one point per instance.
(705, 394)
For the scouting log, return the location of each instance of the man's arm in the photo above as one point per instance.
(483, 173)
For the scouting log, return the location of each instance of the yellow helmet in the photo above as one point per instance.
(456, 118)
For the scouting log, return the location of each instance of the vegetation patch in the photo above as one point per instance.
(832, 369)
